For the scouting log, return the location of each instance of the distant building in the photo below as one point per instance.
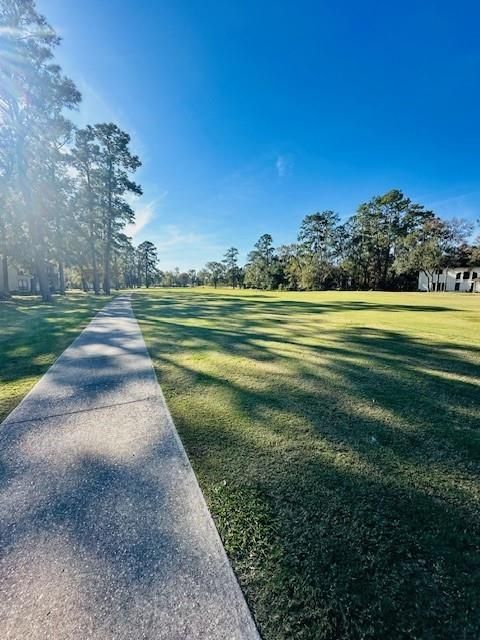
(22, 281)
(19, 280)
(466, 279)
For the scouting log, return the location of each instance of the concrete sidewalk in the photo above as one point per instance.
(104, 532)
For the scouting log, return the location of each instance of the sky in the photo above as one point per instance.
(248, 115)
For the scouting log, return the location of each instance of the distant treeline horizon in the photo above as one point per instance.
(66, 193)
(383, 246)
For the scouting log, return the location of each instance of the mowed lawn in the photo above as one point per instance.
(336, 438)
(33, 335)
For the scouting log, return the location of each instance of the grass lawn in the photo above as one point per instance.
(33, 335)
(335, 436)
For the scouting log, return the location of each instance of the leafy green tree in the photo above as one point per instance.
(6, 207)
(192, 276)
(148, 258)
(317, 240)
(262, 266)
(230, 261)
(203, 277)
(86, 160)
(59, 191)
(116, 162)
(182, 279)
(378, 228)
(33, 96)
(475, 256)
(317, 234)
(430, 247)
(216, 271)
(290, 257)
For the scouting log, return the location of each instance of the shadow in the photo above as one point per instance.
(32, 336)
(340, 458)
(101, 528)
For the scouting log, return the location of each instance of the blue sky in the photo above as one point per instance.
(248, 115)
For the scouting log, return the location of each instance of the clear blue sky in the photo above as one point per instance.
(249, 114)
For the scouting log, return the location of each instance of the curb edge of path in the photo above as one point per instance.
(184, 454)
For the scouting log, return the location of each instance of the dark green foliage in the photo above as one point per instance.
(62, 196)
(148, 259)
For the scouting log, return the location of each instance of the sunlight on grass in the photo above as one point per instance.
(335, 436)
(33, 335)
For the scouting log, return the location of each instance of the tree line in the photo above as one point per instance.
(65, 193)
(384, 245)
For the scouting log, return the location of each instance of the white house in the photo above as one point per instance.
(466, 279)
(18, 281)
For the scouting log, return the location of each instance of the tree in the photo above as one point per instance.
(376, 231)
(6, 207)
(230, 261)
(33, 95)
(192, 276)
(261, 267)
(430, 247)
(317, 239)
(86, 158)
(203, 276)
(475, 255)
(115, 164)
(290, 257)
(148, 259)
(60, 194)
(216, 272)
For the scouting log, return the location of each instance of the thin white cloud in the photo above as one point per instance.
(145, 212)
(143, 216)
(284, 166)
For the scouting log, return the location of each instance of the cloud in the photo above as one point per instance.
(284, 166)
(145, 212)
(143, 216)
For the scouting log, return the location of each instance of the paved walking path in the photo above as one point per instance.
(104, 532)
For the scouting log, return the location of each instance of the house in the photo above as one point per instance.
(466, 279)
(19, 280)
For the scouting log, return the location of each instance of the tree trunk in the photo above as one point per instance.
(42, 275)
(84, 281)
(5, 285)
(96, 281)
(61, 278)
(40, 259)
(106, 264)
(108, 240)
(5, 290)
(37, 237)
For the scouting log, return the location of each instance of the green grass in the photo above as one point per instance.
(335, 436)
(33, 335)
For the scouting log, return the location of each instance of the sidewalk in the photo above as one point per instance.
(104, 532)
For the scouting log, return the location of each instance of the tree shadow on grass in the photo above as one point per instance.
(343, 476)
(32, 336)
(99, 528)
